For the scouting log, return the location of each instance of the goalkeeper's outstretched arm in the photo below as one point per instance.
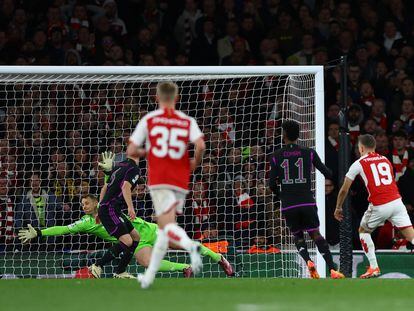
(89, 205)
(25, 235)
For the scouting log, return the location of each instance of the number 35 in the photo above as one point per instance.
(171, 142)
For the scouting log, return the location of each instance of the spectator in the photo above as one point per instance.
(204, 48)
(304, 56)
(201, 212)
(225, 44)
(333, 112)
(331, 149)
(243, 213)
(64, 188)
(405, 185)
(382, 143)
(355, 118)
(367, 97)
(117, 25)
(7, 214)
(407, 113)
(391, 34)
(38, 207)
(378, 113)
(286, 34)
(332, 225)
(185, 28)
(400, 155)
(354, 76)
(370, 127)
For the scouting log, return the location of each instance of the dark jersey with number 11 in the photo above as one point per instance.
(291, 168)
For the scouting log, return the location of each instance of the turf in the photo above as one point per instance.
(207, 294)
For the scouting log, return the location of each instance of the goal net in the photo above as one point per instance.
(56, 125)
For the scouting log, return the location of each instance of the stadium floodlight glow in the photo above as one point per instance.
(237, 107)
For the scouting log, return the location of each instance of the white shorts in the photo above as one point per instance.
(166, 199)
(393, 211)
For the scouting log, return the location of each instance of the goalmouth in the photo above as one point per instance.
(240, 107)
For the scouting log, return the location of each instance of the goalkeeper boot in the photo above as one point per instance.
(312, 270)
(196, 261)
(371, 273)
(188, 272)
(226, 266)
(123, 275)
(336, 274)
(95, 270)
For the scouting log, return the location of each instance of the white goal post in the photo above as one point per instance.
(296, 92)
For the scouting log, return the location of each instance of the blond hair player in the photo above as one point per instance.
(166, 133)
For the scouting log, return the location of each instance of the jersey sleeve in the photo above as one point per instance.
(140, 133)
(354, 170)
(195, 132)
(56, 230)
(77, 227)
(317, 162)
(132, 176)
(82, 225)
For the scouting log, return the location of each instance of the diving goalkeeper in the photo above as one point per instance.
(148, 232)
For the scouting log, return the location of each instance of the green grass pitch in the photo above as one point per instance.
(207, 294)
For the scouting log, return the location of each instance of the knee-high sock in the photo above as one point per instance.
(369, 249)
(128, 252)
(301, 246)
(323, 249)
(168, 266)
(110, 254)
(205, 251)
(178, 236)
(158, 253)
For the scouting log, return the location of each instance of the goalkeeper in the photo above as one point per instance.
(90, 224)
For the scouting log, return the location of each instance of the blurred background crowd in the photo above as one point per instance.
(51, 136)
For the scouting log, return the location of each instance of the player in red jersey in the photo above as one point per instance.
(166, 133)
(384, 197)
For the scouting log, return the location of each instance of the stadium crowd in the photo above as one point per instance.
(50, 145)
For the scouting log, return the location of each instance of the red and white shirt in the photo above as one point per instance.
(167, 133)
(377, 174)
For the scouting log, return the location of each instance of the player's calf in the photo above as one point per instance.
(301, 246)
(128, 252)
(323, 248)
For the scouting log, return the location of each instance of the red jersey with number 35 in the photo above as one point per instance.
(167, 133)
(377, 174)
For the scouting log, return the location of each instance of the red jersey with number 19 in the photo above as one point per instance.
(377, 174)
(167, 133)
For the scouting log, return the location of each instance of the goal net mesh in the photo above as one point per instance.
(54, 128)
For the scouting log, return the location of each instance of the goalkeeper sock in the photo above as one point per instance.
(158, 253)
(128, 252)
(369, 249)
(301, 246)
(168, 266)
(323, 249)
(205, 251)
(112, 253)
(178, 236)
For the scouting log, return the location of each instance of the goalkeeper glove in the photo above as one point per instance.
(25, 235)
(107, 163)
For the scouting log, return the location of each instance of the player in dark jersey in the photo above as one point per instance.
(115, 197)
(291, 170)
